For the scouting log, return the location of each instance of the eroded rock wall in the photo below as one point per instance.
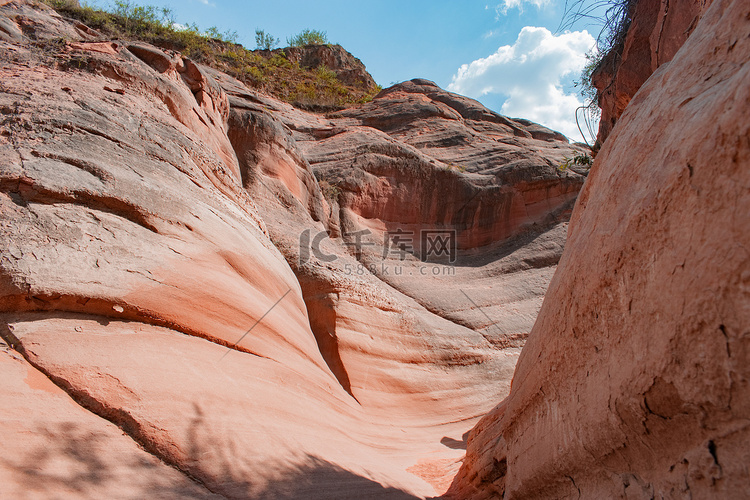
(657, 31)
(152, 270)
(348, 68)
(634, 380)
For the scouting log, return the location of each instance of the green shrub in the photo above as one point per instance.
(265, 41)
(279, 60)
(135, 13)
(588, 114)
(226, 36)
(308, 37)
(257, 76)
(584, 83)
(613, 22)
(61, 4)
(613, 27)
(583, 160)
(325, 74)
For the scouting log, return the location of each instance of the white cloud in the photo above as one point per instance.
(530, 75)
(503, 8)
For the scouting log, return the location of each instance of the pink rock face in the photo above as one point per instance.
(386, 349)
(490, 181)
(54, 448)
(657, 31)
(634, 381)
(152, 269)
(420, 157)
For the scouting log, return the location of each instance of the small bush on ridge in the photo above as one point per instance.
(308, 37)
(265, 41)
(317, 88)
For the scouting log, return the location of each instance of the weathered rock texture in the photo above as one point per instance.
(53, 448)
(634, 382)
(156, 265)
(348, 68)
(420, 159)
(658, 29)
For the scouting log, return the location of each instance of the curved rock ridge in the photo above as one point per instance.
(178, 258)
(419, 160)
(418, 156)
(499, 195)
(389, 352)
(634, 380)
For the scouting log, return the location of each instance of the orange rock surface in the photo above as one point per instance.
(153, 276)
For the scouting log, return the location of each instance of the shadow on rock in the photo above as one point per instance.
(320, 479)
(72, 463)
(455, 444)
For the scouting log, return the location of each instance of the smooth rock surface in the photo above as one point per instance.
(53, 448)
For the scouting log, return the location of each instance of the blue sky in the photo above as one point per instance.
(505, 53)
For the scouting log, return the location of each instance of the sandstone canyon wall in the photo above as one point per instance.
(657, 30)
(634, 381)
(168, 329)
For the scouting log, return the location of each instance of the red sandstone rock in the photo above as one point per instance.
(366, 330)
(348, 68)
(53, 448)
(504, 281)
(19, 16)
(634, 381)
(658, 30)
(464, 169)
(152, 211)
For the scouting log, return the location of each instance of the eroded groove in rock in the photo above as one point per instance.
(97, 457)
(360, 319)
(320, 299)
(201, 443)
(117, 416)
(108, 311)
(368, 177)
